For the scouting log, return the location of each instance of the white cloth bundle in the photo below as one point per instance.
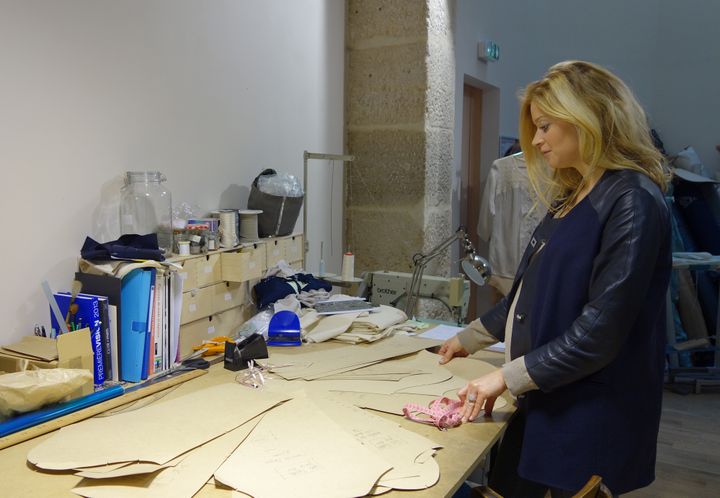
(353, 328)
(373, 326)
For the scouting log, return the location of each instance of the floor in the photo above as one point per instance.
(688, 460)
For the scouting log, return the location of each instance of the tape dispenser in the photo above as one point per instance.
(238, 353)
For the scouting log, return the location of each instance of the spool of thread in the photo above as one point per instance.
(183, 247)
(228, 228)
(348, 267)
(249, 224)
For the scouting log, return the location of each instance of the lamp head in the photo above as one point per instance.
(476, 268)
(473, 265)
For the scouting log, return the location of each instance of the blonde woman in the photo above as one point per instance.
(584, 322)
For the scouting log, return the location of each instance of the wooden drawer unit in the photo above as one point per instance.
(243, 265)
(209, 270)
(196, 303)
(226, 295)
(275, 252)
(229, 322)
(226, 323)
(294, 248)
(188, 273)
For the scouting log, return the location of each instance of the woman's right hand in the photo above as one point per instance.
(451, 349)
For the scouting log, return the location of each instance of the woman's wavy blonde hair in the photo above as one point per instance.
(613, 132)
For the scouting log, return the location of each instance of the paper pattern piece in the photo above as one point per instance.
(101, 469)
(129, 469)
(387, 403)
(406, 451)
(426, 380)
(155, 433)
(321, 363)
(387, 370)
(286, 458)
(183, 479)
(422, 394)
(423, 375)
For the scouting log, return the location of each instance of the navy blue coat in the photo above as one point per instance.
(591, 326)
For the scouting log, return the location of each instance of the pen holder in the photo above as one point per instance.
(237, 354)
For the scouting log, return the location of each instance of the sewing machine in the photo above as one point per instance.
(392, 288)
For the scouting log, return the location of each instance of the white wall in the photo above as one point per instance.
(667, 51)
(208, 92)
(686, 102)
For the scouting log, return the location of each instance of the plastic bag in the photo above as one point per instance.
(31, 389)
(280, 184)
(256, 325)
(183, 212)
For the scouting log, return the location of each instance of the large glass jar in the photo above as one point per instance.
(146, 207)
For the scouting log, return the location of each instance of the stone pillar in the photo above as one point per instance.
(400, 77)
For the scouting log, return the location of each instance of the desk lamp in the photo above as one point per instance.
(473, 265)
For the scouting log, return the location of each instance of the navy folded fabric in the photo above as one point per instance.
(128, 246)
(272, 289)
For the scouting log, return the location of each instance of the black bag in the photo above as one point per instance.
(279, 213)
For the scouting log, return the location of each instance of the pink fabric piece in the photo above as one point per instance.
(443, 413)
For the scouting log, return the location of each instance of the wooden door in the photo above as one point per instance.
(470, 193)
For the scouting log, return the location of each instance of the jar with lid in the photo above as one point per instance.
(146, 207)
(195, 244)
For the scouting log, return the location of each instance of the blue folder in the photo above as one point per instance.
(133, 323)
(149, 339)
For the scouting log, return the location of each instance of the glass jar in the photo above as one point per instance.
(146, 207)
(195, 244)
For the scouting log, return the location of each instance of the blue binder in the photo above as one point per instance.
(148, 350)
(134, 312)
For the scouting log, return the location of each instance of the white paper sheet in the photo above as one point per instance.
(498, 347)
(441, 332)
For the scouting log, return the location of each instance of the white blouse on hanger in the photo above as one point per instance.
(507, 219)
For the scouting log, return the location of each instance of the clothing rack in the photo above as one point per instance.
(698, 377)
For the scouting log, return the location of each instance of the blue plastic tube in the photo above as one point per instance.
(31, 419)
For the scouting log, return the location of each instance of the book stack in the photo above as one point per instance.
(132, 329)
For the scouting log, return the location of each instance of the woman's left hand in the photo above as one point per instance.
(479, 392)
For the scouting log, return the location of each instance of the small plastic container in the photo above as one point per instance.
(211, 241)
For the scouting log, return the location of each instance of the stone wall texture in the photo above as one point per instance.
(399, 112)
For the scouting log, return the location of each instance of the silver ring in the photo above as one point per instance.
(471, 399)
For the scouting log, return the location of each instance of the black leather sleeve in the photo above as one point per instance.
(633, 235)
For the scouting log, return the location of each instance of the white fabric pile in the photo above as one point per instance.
(352, 328)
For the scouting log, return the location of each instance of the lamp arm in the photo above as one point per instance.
(424, 259)
(420, 261)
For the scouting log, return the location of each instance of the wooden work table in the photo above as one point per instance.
(464, 447)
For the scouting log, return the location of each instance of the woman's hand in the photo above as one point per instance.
(479, 392)
(450, 349)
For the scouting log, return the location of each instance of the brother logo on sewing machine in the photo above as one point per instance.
(237, 354)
